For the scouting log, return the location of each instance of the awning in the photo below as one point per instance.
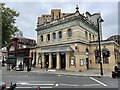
(56, 49)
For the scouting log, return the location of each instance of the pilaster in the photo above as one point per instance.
(67, 60)
(58, 61)
(43, 60)
(37, 59)
(50, 61)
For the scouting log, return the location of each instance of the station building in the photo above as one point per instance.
(18, 50)
(69, 41)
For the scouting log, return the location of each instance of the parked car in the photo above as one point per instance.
(2, 85)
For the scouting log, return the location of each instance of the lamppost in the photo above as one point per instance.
(99, 20)
(87, 59)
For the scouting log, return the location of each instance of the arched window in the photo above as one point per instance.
(48, 37)
(86, 35)
(54, 36)
(41, 37)
(69, 33)
(93, 38)
(97, 56)
(60, 34)
(89, 36)
(105, 54)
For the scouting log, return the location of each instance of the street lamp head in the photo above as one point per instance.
(101, 20)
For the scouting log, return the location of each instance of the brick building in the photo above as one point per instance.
(18, 49)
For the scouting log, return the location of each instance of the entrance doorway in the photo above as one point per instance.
(87, 63)
(54, 59)
(63, 61)
(46, 59)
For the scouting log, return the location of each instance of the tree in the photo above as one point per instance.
(8, 23)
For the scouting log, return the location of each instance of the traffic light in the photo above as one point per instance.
(97, 53)
(104, 53)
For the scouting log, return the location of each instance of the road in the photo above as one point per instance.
(33, 80)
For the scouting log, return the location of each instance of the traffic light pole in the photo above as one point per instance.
(101, 69)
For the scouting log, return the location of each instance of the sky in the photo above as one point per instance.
(29, 12)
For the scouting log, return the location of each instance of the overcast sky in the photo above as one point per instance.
(29, 11)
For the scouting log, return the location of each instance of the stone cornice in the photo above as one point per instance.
(103, 42)
(72, 20)
(64, 43)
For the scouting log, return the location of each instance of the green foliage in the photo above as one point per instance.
(8, 23)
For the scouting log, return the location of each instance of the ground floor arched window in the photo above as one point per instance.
(105, 60)
(105, 54)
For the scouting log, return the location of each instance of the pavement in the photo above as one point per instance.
(89, 72)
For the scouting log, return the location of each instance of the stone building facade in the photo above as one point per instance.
(116, 38)
(70, 42)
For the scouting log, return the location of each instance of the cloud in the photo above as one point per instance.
(29, 11)
(59, 1)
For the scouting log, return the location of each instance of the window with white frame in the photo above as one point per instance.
(82, 62)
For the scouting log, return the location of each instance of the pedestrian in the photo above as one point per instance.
(12, 66)
(41, 65)
(116, 68)
(3, 63)
(46, 66)
(33, 63)
(20, 66)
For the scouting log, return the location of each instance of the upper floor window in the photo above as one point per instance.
(59, 14)
(93, 38)
(89, 36)
(60, 34)
(48, 37)
(41, 38)
(54, 36)
(69, 33)
(86, 35)
(53, 15)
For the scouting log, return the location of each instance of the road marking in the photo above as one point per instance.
(98, 81)
(31, 87)
(23, 83)
(91, 85)
(11, 75)
(46, 87)
(51, 70)
(42, 84)
(56, 85)
(42, 81)
(69, 85)
(59, 75)
(36, 84)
